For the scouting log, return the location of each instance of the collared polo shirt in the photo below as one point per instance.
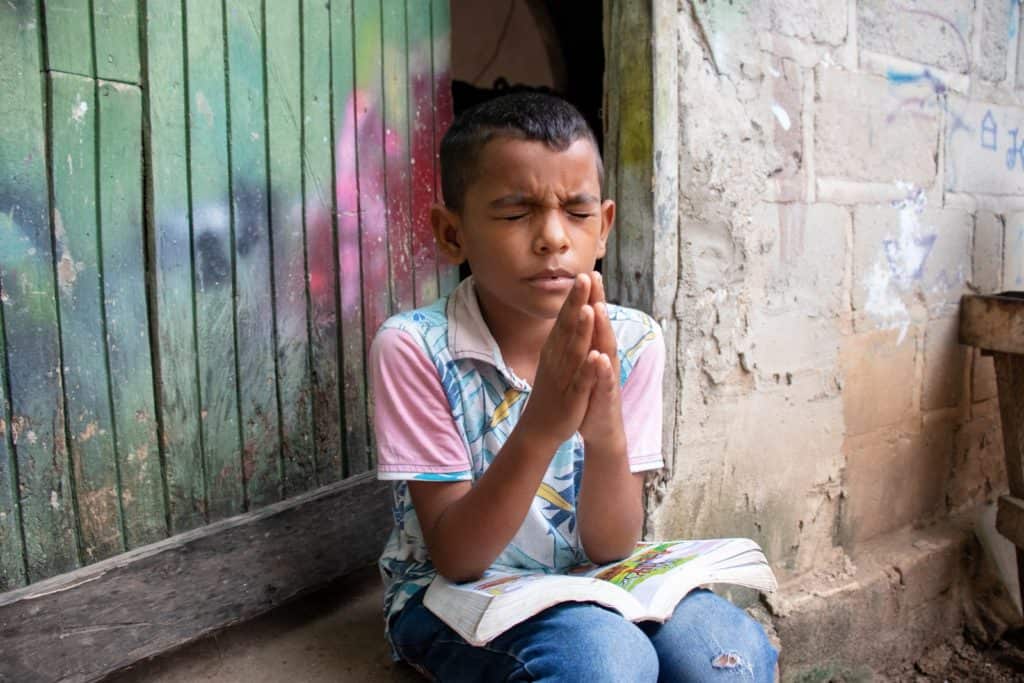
(445, 402)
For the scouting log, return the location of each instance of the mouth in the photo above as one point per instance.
(552, 279)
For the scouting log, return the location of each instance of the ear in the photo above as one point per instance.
(446, 226)
(607, 220)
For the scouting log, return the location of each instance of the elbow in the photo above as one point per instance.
(608, 556)
(458, 572)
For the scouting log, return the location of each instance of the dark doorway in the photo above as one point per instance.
(508, 45)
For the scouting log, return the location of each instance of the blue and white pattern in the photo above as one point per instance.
(486, 399)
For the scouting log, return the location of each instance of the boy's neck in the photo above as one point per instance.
(520, 337)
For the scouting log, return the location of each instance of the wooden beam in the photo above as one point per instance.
(85, 624)
(1010, 519)
(993, 322)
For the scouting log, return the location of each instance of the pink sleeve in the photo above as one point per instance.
(416, 435)
(641, 408)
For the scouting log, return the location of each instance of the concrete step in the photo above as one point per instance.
(335, 634)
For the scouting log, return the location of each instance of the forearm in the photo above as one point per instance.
(610, 505)
(470, 532)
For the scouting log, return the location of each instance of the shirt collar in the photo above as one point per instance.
(469, 336)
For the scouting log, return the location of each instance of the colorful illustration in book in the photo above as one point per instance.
(657, 559)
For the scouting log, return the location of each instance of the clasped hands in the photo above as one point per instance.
(576, 387)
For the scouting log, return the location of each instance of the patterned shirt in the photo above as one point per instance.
(444, 404)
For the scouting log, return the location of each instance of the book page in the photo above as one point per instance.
(643, 572)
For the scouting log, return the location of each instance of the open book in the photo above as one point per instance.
(647, 585)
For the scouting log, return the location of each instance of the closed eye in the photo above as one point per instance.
(513, 217)
(580, 214)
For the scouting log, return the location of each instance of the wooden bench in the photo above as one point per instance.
(995, 324)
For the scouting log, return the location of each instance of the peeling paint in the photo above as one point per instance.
(782, 116)
(79, 110)
(18, 424)
(54, 500)
(203, 105)
(900, 265)
(90, 431)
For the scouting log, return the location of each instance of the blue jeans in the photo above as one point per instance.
(707, 639)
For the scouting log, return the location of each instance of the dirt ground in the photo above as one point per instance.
(961, 660)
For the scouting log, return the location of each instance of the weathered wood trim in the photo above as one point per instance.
(642, 176)
(85, 624)
(1010, 519)
(993, 322)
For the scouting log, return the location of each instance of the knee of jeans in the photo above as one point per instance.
(747, 649)
(613, 651)
(740, 643)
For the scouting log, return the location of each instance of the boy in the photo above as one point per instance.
(518, 415)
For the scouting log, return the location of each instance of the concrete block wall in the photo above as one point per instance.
(848, 170)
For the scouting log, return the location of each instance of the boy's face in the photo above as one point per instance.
(532, 219)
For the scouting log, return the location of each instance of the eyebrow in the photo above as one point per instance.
(520, 199)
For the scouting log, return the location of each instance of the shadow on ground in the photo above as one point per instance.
(335, 634)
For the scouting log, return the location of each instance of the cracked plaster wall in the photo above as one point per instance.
(847, 171)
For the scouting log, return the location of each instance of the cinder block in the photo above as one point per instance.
(905, 251)
(893, 479)
(983, 378)
(999, 20)
(805, 251)
(823, 21)
(936, 32)
(853, 627)
(791, 341)
(868, 130)
(1013, 253)
(944, 364)
(782, 94)
(979, 470)
(984, 148)
(947, 267)
(987, 267)
(711, 250)
(878, 379)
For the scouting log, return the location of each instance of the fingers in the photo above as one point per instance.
(577, 347)
(568, 315)
(596, 288)
(586, 376)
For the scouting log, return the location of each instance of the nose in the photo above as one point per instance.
(551, 236)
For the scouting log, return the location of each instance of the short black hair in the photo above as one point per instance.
(534, 116)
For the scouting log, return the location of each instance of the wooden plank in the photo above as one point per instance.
(68, 36)
(86, 624)
(396, 154)
(116, 25)
(421, 150)
(1010, 519)
(994, 322)
(440, 34)
(213, 256)
(632, 160)
(12, 543)
(284, 141)
(29, 303)
(74, 123)
(261, 437)
(321, 240)
(124, 294)
(1010, 523)
(610, 268)
(170, 251)
(346, 197)
(369, 95)
(1010, 378)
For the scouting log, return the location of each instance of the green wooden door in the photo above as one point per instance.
(206, 210)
